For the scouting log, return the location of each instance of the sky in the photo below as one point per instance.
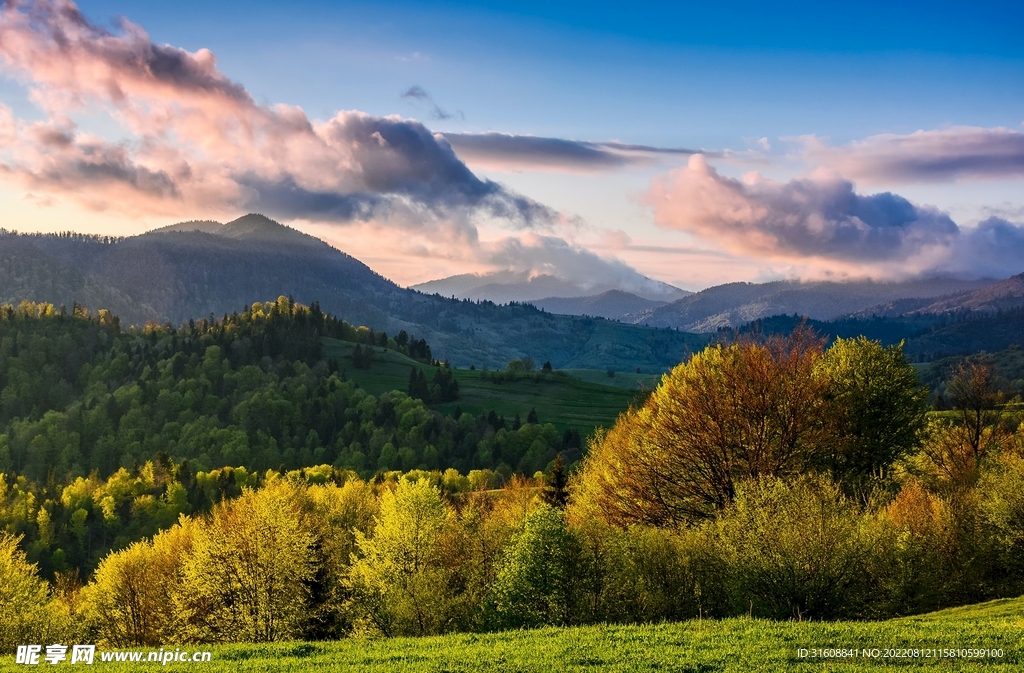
(689, 143)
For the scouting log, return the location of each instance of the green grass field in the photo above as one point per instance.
(576, 398)
(695, 646)
(626, 380)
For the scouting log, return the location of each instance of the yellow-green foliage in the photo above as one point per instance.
(795, 549)
(27, 613)
(336, 514)
(131, 599)
(399, 580)
(247, 574)
(319, 554)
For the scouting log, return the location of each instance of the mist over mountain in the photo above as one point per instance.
(1001, 296)
(735, 304)
(613, 304)
(504, 286)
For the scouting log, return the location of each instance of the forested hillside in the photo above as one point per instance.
(81, 394)
(108, 435)
(926, 337)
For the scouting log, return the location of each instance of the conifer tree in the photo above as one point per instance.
(556, 492)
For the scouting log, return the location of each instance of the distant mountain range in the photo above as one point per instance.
(735, 304)
(988, 319)
(613, 304)
(502, 287)
(1004, 295)
(195, 269)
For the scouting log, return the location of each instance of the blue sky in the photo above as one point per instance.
(740, 81)
(707, 74)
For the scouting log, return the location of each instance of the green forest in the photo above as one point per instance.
(107, 436)
(227, 482)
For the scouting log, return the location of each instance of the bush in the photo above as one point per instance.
(1002, 505)
(794, 550)
(640, 574)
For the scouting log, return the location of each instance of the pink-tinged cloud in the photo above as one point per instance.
(824, 225)
(199, 141)
(961, 152)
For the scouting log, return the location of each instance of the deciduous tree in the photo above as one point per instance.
(731, 413)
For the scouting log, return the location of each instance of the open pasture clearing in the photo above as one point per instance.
(698, 646)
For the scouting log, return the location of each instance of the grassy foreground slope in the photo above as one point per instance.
(566, 401)
(694, 646)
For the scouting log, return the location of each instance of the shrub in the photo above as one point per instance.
(537, 584)
(793, 550)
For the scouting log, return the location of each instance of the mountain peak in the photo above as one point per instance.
(261, 227)
(252, 227)
(254, 222)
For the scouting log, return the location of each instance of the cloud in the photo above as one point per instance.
(506, 151)
(995, 247)
(199, 141)
(961, 152)
(419, 94)
(822, 222)
(532, 254)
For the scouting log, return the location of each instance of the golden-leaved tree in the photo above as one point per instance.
(336, 513)
(732, 413)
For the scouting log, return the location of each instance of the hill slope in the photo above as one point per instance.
(1006, 294)
(562, 399)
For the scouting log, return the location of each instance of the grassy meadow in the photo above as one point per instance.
(575, 398)
(703, 646)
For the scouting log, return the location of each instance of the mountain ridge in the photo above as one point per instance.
(195, 269)
(524, 286)
(613, 304)
(1005, 294)
(734, 304)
